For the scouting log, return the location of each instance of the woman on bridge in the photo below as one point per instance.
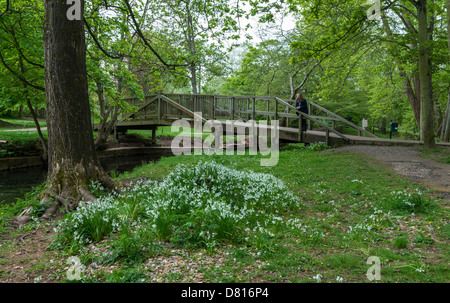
(302, 105)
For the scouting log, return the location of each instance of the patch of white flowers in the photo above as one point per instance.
(374, 221)
(209, 191)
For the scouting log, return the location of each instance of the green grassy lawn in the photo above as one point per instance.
(351, 208)
(350, 212)
(21, 123)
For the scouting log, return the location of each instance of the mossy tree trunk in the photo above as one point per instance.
(71, 152)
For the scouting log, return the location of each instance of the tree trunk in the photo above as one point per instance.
(71, 152)
(190, 39)
(105, 127)
(445, 132)
(427, 134)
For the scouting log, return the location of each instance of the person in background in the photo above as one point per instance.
(302, 105)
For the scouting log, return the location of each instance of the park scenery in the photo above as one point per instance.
(259, 142)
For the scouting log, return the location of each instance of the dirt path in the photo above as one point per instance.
(408, 162)
(24, 129)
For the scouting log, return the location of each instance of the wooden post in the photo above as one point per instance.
(268, 109)
(232, 108)
(253, 108)
(327, 137)
(310, 125)
(213, 107)
(248, 108)
(276, 110)
(158, 110)
(300, 132)
(154, 135)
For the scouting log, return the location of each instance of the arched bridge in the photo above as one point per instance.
(323, 125)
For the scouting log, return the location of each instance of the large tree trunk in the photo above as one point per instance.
(445, 128)
(71, 152)
(426, 96)
(445, 132)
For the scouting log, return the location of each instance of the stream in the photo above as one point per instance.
(17, 183)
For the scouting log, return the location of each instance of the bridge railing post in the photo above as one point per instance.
(300, 132)
(253, 108)
(158, 110)
(213, 107)
(276, 110)
(232, 108)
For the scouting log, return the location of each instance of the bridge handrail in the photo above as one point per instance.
(342, 119)
(181, 107)
(311, 118)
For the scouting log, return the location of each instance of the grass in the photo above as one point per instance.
(439, 154)
(349, 208)
(22, 123)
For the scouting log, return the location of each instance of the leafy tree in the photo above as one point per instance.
(21, 64)
(196, 30)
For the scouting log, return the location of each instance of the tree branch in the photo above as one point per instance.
(119, 56)
(141, 35)
(306, 77)
(6, 10)
(19, 76)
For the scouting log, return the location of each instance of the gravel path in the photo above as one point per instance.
(407, 162)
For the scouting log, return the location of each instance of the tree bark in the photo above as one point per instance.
(427, 134)
(71, 151)
(445, 132)
(105, 127)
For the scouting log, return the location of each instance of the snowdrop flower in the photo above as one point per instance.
(318, 278)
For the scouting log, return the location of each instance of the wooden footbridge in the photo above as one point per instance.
(323, 125)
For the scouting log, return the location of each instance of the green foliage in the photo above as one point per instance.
(21, 48)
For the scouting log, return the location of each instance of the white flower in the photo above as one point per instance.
(318, 278)
(38, 279)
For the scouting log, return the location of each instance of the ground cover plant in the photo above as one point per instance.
(317, 216)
